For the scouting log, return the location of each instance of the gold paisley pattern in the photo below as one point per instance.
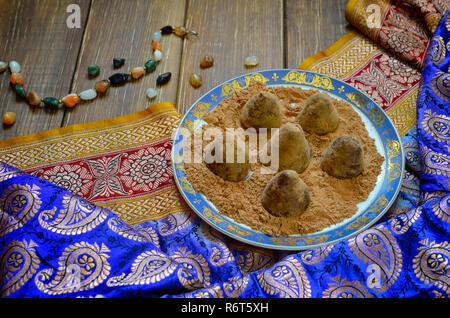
(441, 208)
(89, 261)
(135, 232)
(195, 272)
(286, 279)
(235, 286)
(436, 50)
(437, 126)
(149, 267)
(211, 292)
(440, 84)
(434, 162)
(19, 263)
(253, 261)
(403, 221)
(77, 216)
(378, 246)
(432, 264)
(8, 172)
(316, 255)
(176, 222)
(18, 204)
(221, 254)
(342, 288)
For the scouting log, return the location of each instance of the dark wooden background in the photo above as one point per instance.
(54, 58)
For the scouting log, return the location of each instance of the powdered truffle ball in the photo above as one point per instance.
(294, 151)
(262, 110)
(344, 158)
(234, 169)
(285, 195)
(319, 116)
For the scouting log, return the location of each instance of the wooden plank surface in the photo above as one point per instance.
(311, 27)
(282, 33)
(35, 33)
(229, 31)
(124, 29)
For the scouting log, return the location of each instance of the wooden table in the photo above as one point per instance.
(54, 57)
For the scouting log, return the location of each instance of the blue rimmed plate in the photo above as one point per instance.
(377, 123)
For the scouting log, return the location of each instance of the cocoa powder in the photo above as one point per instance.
(332, 200)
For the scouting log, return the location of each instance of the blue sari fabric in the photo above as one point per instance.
(55, 244)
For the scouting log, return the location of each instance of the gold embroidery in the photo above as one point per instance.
(287, 279)
(82, 266)
(19, 263)
(77, 216)
(342, 288)
(378, 246)
(431, 264)
(18, 204)
(195, 272)
(149, 267)
(235, 286)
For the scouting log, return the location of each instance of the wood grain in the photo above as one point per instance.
(311, 27)
(229, 31)
(282, 33)
(124, 29)
(35, 33)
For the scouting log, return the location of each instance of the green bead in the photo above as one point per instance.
(150, 66)
(20, 91)
(51, 102)
(93, 70)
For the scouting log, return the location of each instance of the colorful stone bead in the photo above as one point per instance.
(118, 78)
(118, 62)
(16, 78)
(51, 102)
(151, 93)
(101, 86)
(9, 118)
(207, 61)
(195, 80)
(33, 99)
(180, 31)
(3, 66)
(156, 36)
(93, 70)
(166, 30)
(20, 91)
(137, 72)
(251, 61)
(157, 55)
(150, 65)
(70, 100)
(14, 67)
(88, 94)
(163, 78)
(156, 45)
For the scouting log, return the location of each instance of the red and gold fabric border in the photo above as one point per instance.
(123, 163)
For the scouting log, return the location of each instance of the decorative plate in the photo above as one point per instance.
(379, 127)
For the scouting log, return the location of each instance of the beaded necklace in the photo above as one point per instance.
(17, 80)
